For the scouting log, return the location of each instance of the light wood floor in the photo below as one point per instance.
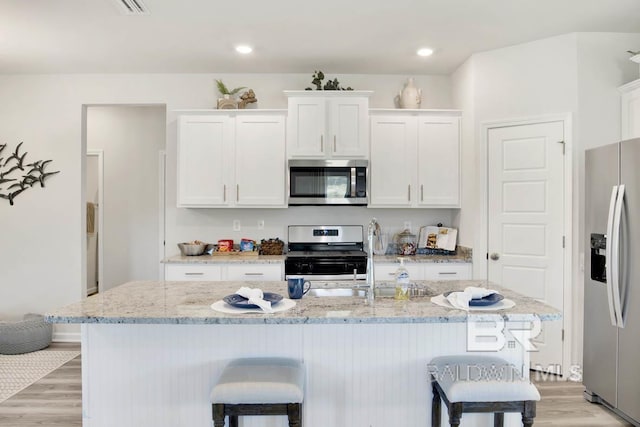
(56, 400)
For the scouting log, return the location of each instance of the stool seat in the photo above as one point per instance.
(260, 380)
(480, 384)
(481, 379)
(260, 386)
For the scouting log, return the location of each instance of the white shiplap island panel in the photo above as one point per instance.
(359, 374)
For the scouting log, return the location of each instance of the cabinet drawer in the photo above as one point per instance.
(388, 271)
(192, 272)
(263, 272)
(447, 271)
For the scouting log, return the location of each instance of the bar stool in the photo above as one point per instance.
(480, 384)
(260, 386)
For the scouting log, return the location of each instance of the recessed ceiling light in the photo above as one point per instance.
(244, 49)
(425, 51)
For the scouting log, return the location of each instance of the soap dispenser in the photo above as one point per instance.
(402, 281)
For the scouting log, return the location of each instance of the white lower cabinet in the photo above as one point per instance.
(192, 272)
(263, 272)
(235, 272)
(388, 271)
(426, 271)
(448, 271)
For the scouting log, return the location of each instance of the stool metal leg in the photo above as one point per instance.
(529, 413)
(498, 419)
(218, 415)
(436, 407)
(455, 414)
(295, 415)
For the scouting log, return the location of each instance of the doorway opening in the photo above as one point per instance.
(124, 193)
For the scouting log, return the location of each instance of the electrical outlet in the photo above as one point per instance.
(407, 225)
(261, 224)
(236, 225)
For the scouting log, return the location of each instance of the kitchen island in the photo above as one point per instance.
(151, 351)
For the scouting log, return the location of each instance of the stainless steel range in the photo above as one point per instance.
(326, 252)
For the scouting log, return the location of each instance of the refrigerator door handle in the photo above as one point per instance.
(608, 254)
(615, 286)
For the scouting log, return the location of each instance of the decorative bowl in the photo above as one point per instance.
(192, 249)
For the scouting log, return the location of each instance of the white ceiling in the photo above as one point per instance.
(289, 36)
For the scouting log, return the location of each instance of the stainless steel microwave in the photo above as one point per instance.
(328, 182)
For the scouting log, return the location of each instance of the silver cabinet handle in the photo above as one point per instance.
(237, 192)
(321, 142)
(254, 274)
(392, 274)
(194, 274)
(409, 192)
(447, 272)
(334, 143)
(495, 256)
(224, 192)
(422, 192)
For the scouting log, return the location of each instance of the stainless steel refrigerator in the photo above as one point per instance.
(611, 371)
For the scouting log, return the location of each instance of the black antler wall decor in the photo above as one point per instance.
(17, 176)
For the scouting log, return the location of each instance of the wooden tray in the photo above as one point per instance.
(236, 253)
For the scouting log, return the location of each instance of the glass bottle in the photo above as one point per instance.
(402, 281)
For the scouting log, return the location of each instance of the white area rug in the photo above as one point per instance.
(17, 372)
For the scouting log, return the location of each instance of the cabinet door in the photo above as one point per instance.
(387, 272)
(439, 161)
(306, 127)
(260, 272)
(348, 127)
(203, 160)
(631, 114)
(260, 161)
(447, 271)
(392, 166)
(192, 272)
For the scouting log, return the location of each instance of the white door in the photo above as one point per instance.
(260, 160)
(526, 222)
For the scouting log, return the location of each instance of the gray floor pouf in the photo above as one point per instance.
(25, 336)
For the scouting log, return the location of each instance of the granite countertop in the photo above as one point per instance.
(158, 302)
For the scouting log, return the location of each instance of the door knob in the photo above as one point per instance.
(495, 256)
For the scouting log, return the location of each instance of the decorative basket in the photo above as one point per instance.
(271, 247)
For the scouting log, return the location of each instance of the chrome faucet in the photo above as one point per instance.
(373, 230)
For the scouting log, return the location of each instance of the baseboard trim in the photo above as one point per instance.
(66, 336)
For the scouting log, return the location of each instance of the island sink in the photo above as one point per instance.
(384, 292)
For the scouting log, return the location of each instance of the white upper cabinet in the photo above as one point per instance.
(392, 165)
(204, 143)
(415, 159)
(260, 166)
(328, 124)
(231, 159)
(631, 110)
(438, 161)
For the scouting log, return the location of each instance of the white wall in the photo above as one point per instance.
(573, 73)
(131, 139)
(42, 266)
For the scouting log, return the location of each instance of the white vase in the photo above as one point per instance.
(410, 96)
